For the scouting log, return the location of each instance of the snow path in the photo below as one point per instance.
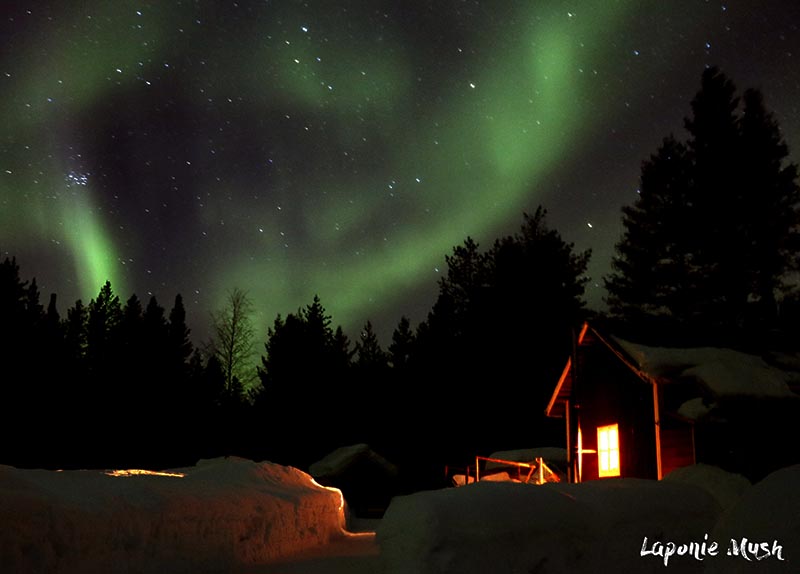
(350, 555)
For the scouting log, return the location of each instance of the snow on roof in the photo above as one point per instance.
(222, 513)
(342, 458)
(693, 408)
(725, 372)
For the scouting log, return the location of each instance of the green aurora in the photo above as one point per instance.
(340, 151)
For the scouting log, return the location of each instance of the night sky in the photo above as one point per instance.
(343, 148)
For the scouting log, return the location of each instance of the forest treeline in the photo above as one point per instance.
(127, 373)
(708, 256)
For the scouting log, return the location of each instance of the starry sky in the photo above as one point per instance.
(343, 148)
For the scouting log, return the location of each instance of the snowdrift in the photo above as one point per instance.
(222, 513)
(725, 487)
(766, 512)
(597, 526)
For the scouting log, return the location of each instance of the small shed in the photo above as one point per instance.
(367, 480)
(637, 411)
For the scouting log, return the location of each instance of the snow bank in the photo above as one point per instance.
(725, 487)
(768, 512)
(724, 371)
(508, 527)
(222, 513)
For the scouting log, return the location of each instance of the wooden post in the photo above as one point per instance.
(570, 454)
(657, 417)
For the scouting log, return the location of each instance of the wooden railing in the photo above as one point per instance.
(536, 472)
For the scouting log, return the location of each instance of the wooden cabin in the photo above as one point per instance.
(620, 421)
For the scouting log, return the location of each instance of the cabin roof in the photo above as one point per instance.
(588, 335)
(724, 372)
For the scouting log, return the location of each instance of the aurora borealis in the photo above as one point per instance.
(342, 148)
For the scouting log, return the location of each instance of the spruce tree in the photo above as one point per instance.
(771, 198)
(401, 347)
(654, 272)
(709, 242)
(369, 355)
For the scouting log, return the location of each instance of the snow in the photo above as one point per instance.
(233, 515)
(510, 527)
(769, 511)
(337, 462)
(223, 512)
(725, 372)
(725, 487)
(597, 526)
(693, 408)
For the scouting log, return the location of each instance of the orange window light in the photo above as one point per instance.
(608, 450)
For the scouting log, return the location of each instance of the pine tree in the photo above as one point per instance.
(75, 338)
(709, 242)
(15, 375)
(304, 378)
(654, 270)
(369, 355)
(104, 316)
(771, 196)
(401, 348)
(504, 315)
(178, 334)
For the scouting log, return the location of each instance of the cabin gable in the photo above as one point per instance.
(616, 424)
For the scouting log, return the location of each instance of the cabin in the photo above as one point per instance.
(617, 418)
(641, 412)
(367, 480)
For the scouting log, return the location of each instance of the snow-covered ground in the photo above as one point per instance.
(220, 514)
(233, 515)
(597, 526)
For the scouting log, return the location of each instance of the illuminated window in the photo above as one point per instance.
(608, 450)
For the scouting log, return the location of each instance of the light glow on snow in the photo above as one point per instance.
(139, 472)
(346, 533)
(332, 489)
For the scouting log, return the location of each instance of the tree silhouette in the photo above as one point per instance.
(402, 345)
(709, 242)
(655, 269)
(502, 323)
(771, 197)
(369, 355)
(104, 316)
(232, 342)
(75, 340)
(15, 333)
(179, 345)
(305, 383)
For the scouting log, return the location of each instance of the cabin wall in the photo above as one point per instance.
(677, 445)
(677, 433)
(607, 392)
